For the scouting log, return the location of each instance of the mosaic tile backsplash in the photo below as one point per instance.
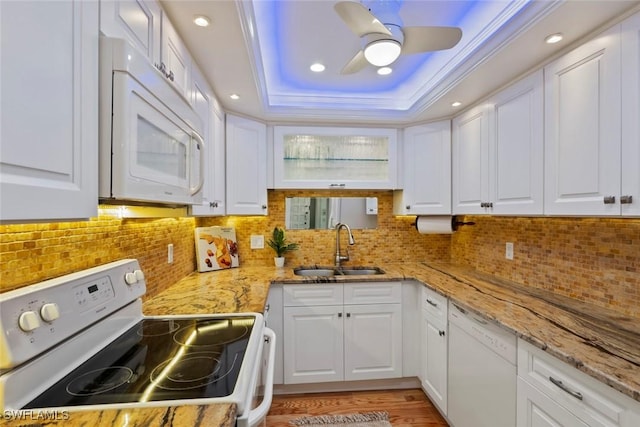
(595, 260)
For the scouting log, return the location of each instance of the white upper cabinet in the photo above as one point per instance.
(213, 191)
(516, 148)
(49, 104)
(498, 153)
(630, 194)
(176, 59)
(470, 161)
(246, 166)
(582, 129)
(425, 171)
(138, 21)
(334, 157)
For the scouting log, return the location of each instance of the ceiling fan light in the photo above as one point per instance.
(381, 53)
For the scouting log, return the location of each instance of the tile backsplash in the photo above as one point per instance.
(595, 260)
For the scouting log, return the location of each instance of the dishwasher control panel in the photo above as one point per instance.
(489, 334)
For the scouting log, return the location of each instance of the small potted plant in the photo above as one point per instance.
(280, 246)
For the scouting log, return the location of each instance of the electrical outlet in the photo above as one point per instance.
(257, 241)
(170, 253)
(508, 251)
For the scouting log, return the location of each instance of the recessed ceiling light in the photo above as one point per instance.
(456, 104)
(201, 20)
(385, 71)
(317, 67)
(553, 38)
(234, 96)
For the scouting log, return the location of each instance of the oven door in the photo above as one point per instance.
(262, 384)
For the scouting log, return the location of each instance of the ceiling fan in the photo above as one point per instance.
(384, 37)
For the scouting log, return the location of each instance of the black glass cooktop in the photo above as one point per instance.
(158, 359)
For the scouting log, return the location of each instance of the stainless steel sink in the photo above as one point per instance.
(311, 271)
(337, 271)
(360, 271)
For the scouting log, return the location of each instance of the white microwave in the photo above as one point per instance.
(151, 145)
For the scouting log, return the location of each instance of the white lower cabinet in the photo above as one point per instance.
(273, 320)
(552, 393)
(433, 348)
(335, 332)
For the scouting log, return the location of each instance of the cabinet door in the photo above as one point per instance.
(516, 148)
(138, 21)
(334, 158)
(175, 58)
(426, 171)
(535, 409)
(470, 156)
(203, 103)
(246, 167)
(313, 344)
(372, 341)
(49, 104)
(630, 113)
(582, 129)
(434, 361)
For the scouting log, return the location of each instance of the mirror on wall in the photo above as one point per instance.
(321, 213)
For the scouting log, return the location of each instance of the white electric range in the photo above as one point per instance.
(81, 342)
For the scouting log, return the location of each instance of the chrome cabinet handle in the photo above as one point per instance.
(481, 321)
(337, 185)
(213, 204)
(609, 200)
(564, 387)
(431, 303)
(626, 200)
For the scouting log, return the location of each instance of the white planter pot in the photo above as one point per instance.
(279, 261)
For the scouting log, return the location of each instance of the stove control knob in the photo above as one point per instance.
(49, 312)
(130, 278)
(139, 275)
(28, 321)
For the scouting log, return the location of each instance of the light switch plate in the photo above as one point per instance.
(508, 253)
(257, 241)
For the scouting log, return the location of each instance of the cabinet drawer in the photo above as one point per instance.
(434, 304)
(590, 400)
(315, 294)
(373, 293)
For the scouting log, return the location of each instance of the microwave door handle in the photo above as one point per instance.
(198, 187)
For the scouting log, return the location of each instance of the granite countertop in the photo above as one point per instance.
(601, 343)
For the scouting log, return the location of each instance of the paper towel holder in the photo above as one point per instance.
(454, 223)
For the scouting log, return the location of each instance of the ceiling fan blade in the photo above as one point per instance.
(426, 39)
(359, 19)
(357, 63)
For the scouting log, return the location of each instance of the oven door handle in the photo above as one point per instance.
(258, 414)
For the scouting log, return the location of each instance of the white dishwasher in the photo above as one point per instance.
(482, 372)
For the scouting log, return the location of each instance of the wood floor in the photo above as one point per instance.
(406, 408)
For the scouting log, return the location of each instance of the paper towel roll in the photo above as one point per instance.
(434, 224)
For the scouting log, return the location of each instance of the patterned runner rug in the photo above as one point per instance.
(368, 419)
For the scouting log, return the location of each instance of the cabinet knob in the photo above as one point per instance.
(213, 204)
(264, 206)
(441, 333)
(609, 200)
(348, 314)
(408, 207)
(626, 200)
(339, 314)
